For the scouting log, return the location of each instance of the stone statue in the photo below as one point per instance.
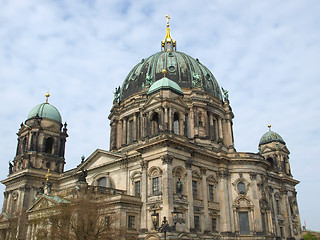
(41, 189)
(196, 80)
(179, 186)
(10, 167)
(116, 94)
(82, 176)
(226, 95)
(148, 82)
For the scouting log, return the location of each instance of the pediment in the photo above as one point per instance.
(99, 158)
(267, 149)
(176, 100)
(44, 202)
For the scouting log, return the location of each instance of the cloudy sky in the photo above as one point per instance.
(266, 53)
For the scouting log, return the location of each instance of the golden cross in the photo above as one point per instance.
(48, 175)
(167, 16)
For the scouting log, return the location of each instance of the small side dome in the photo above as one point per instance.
(165, 83)
(45, 110)
(271, 136)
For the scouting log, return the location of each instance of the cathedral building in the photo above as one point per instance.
(172, 169)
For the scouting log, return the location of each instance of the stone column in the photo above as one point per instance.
(185, 125)
(191, 121)
(166, 122)
(207, 223)
(170, 120)
(124, 131)
(144, 194)
(144, 127)
(113, 135)
(220, 128)
(223, 196)
(211, 131)
(167, 187)
(135, 128)
(255, 200)
(206, 124)
(287, 212)
(229, 137)
(190, 217)
(275, 212)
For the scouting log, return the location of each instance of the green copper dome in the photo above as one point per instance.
(164, 83)
(182, 69)
(271, 136)
(45, 110)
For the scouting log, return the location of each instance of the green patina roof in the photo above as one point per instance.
(181, 68)
(45, 110)
(164, 83)
(271, 136)
(57, 199)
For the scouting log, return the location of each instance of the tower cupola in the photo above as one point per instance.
(41, 140)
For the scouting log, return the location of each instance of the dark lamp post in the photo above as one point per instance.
(165, 227)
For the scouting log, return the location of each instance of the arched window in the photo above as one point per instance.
(25, 145)
(176, 125)
(214, 132)
(105, 182)
(155, 124)
(49, 145)
(270, 160)
(102, 182)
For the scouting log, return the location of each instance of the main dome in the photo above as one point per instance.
(184, 70)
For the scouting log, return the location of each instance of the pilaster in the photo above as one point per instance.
(167, 186)
(223, 196)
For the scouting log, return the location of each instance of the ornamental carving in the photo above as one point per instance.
(253, 175)
(283, 191)
(264, 204)
(167, 159)
(14, 196)
(188, 163)
(223, 174)
(144, 164)
(203, 170)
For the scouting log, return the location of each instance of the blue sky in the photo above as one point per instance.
(266, 53)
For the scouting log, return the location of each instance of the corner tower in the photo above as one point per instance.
(41, 146)
(273, 148)
(41, 140)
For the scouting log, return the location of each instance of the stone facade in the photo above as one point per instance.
(169, 151)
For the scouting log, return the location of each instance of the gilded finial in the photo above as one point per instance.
(48, 175)
(168, 44)
(269, 126)
(164, 72)
(167, 16)
(47, 96)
